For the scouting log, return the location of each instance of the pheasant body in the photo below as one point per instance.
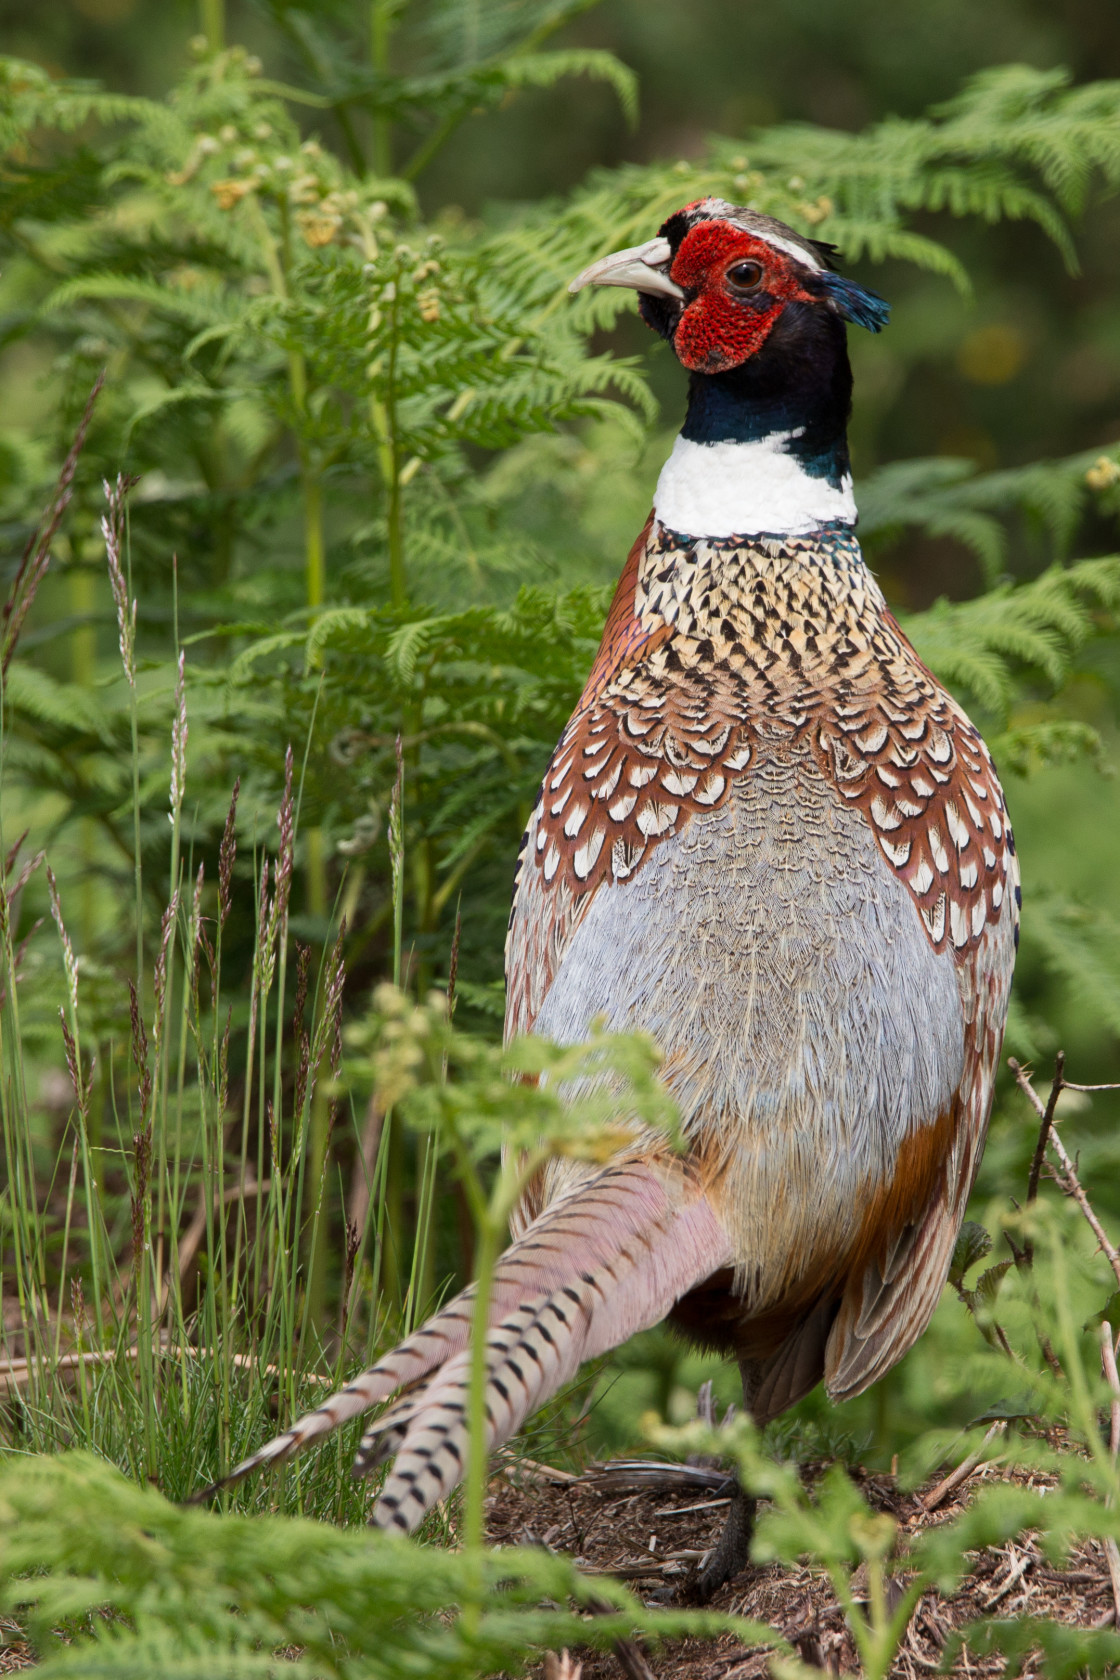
(770, 839)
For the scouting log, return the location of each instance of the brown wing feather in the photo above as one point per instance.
(919, 770)
(649, 743)
(890, 1299)
(907, 755)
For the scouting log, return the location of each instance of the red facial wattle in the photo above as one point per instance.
(718, 330)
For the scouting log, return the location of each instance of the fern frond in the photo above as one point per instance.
(1029, 747)
(1079, 946)
(32, 693)
(984, 646)
(949, 497)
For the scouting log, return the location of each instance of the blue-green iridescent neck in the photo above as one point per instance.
(799, 385)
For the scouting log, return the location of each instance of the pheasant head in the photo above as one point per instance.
(718, 279)
(756, 313)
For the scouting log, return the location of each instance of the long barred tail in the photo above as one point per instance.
(606, 1260)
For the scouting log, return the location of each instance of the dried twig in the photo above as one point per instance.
(1070, 1185)
(1047, 1122)
(1108, 1362)
(630, 1655)
(687, 1510)
(1068, 1182)
(1112, 1555)
(14, 1372)
(529, 1471)
(632, 1661)
(1016, 1569)
(938, 1495)
(361, 1177)
(651, 1475)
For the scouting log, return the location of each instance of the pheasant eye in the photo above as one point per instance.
(745, 276)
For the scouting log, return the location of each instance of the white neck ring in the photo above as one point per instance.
(745, 489)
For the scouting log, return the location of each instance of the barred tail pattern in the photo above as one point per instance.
(609, 1257)
(532, 1353)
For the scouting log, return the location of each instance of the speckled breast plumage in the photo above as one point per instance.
(771, 839)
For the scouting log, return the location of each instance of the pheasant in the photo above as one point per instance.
(770, 839)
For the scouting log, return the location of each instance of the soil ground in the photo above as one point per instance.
(652, 1538)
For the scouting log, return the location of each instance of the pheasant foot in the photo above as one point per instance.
(728, 1557)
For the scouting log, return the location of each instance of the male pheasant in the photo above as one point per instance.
(769, 838)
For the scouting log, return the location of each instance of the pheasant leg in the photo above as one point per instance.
(730, 1554)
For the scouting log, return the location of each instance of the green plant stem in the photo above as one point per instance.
(423, 1249)
(315, 1195)
(383, 418)
(145, 1330)
(488, 1237)
(212, 18)
(391, 1264)
(311, 1160)
(380, 31)
(1080, 1401)
(181, 1178)
(314, 549)
(318, 1119)
(435, 142)
(93, 1167)
(137, 867)
(398, 590)
(83, 657)
(256, 1007)
(477, 1451)
(491, 1219)
(66, 1228)
(878, 1632)
(17, 1149)
(211, 1313)
(81, 588)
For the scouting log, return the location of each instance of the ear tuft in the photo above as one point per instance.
(854, 303)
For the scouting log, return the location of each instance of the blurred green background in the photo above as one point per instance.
(1029, 367)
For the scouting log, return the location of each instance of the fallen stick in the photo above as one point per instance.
(630, 1655)
(687, 1510)
(13, 1372)
(938, 1495)
(511, 1464)
(631, 1660)
(651, 1475)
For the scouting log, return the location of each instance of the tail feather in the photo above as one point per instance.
(535, 1351)
(384, 1438)
(379, 1445)
(635, 1220)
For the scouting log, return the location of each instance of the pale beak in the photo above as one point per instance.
(641, 266)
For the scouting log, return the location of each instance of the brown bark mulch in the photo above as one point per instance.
(653, 1539)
